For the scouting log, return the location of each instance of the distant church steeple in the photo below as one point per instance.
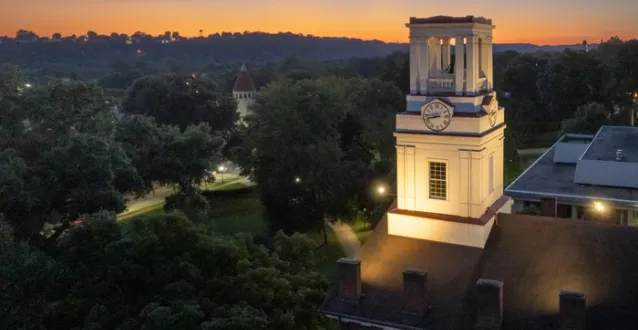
(244, 91)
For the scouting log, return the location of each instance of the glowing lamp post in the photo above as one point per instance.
(221, 169)
(383, 191)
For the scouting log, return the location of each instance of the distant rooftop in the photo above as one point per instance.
(244, 82)
(612, 138)
(449, 20)
(584, 167)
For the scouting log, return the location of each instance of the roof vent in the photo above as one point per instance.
(619, 155)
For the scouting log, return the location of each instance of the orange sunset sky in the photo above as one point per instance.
(539, 21)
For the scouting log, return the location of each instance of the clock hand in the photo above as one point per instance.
(433, 116)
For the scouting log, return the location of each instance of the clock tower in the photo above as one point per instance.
(449, 139)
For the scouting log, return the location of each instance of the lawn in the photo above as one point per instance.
(231, 215)
(244, 213)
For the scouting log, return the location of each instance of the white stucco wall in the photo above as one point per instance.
(244, 101)
(467, 160)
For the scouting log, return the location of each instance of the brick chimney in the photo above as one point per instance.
(489, 313)
(572, 309)
(548, 207)
(415, 291)
(349, 279)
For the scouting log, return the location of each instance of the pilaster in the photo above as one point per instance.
(401, 177)
(410, 178)
(459, 67)
(476, 189)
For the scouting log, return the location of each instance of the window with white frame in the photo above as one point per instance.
(438, 180)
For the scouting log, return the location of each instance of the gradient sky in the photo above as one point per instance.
(535, 21)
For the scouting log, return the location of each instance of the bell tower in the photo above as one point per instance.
(449, 139)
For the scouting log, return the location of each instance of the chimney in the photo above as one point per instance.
(619, 155)
(548, 207)
(572, 307)
(489, 314)
(349, 279)
(415, 291)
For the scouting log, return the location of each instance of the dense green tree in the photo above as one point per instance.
(160, 273)
(375, 104)
(178, 100)
(587, 119)
(166, 155)
(59, 158)
(309, 146)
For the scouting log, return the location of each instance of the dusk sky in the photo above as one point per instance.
(538, 21)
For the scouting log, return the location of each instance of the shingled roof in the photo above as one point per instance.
(535, 258)
(244, 82)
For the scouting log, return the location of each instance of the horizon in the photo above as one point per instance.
(569, 22)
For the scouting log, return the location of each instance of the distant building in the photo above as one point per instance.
(244, 91)
(590, 177)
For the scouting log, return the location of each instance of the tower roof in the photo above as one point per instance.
(244, 82)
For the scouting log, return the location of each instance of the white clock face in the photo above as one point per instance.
(437, 116)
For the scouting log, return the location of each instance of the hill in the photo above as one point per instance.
(94, 55)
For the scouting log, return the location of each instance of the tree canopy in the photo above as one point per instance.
(310, 144)
(177, 100)
(160, 273)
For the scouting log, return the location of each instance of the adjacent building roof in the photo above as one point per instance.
(244, 82)
(581, 168)
(535, 257)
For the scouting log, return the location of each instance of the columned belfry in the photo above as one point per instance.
(431, 69)
(449, 140)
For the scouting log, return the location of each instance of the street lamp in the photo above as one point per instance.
(27, 85)
(297, 180)
(600, 208)
(383, 191)
(221, 170)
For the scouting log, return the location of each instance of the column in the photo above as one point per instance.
(414, 66)
(459, 67)
(435, 56)
(489, 73)
(483, 65)
(424, 67)
(471, 75)
(445, 53)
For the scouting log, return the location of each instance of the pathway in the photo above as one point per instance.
(158, 197)
(347, 238)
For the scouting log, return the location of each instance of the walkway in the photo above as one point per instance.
(348, 240)
(157, 198)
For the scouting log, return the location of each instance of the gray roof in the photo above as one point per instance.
(599, 164)
(611, 138)
(569, 149)
(535, 257)
(547, 178)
